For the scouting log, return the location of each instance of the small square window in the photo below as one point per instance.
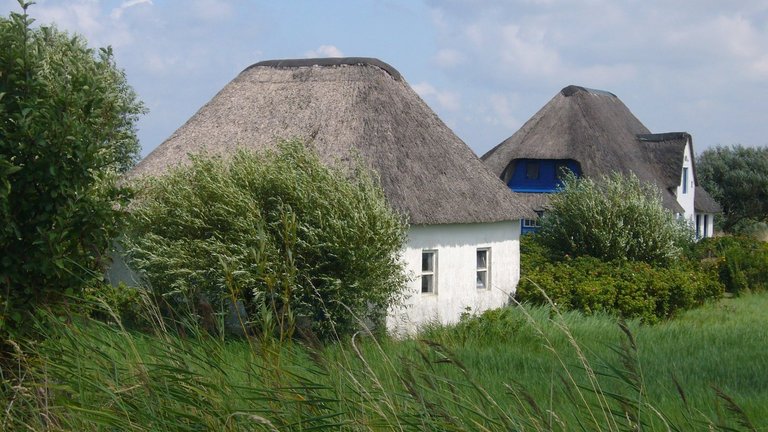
(483, 266)
(532, 171)
(428, 272)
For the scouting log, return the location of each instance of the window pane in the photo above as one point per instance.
(427, 261)
(482, 259)
(532, 171)
(482, 279)
(427, 283)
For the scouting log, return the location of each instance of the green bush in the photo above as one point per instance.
(625, 288)
(740, 262)
(612, 218)
(296, 240)
(67, 119)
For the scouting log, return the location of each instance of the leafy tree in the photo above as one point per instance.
(299, 242)
(737, 178)
(614, 217)
(67, 131)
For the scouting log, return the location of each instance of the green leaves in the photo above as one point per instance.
(737, 178)
(293, 238)
(67, 130)
(615, 217)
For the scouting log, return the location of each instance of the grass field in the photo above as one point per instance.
(521, 368)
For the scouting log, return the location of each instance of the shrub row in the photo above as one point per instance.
(741, 263)
(626, 288)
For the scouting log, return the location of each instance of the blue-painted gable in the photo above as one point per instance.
(540, 175)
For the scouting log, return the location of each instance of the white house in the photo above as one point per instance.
(592, 133)
(463, 244)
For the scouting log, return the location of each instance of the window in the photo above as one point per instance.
(705, 227)
(428, 272)
(530, 223)
(483, 267)
(561, 169)
(685, 180)
(532, 170)
(698, 226)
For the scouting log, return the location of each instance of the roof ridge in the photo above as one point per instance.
(665, 136)
(329, 62)
(573, 89)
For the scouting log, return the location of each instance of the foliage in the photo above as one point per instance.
(298, 241)
(629, 289)
(67, 120)
(737, 178)
(613, 218)
(740, 262)
(549, 371)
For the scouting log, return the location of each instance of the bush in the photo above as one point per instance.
(297, 241)
(625, 288)
(735, 177)
(612, 218)
(741, 263)
(67, 120)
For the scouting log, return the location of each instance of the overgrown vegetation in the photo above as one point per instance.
(608, 245)
(612, 218)
(630, 289)
(298, 242)
(736, 178)
(741, 263)
(522, 368)
(67, 120)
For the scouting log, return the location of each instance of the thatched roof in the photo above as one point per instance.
(704, 203)
(343, 108)
(596, 129)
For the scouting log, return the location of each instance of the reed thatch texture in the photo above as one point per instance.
(348, 108)
(597, 130)
(704, 203)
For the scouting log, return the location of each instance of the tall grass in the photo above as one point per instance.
(522, 368)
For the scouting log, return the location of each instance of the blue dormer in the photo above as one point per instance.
(541, 175)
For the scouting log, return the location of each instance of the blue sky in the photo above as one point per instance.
(484, 66)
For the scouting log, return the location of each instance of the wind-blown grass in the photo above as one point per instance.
(522, 368)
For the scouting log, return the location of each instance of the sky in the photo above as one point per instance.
(484, 66)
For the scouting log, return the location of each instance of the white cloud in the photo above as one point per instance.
(117, 12)
(446, 99)
(448, 57)
(212, 10)
(502, 112)
(525, 50)
(324, 51)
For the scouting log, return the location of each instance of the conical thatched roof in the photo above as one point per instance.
(596, 129)
(342, 108)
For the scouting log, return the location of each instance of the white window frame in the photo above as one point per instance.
(685, 180)
(531, 223)
(429, 273)
(483, 270)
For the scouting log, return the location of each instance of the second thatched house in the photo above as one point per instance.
(462, 249)
(592, 133)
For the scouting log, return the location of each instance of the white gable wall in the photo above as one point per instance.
(686, 199)
(456, 272)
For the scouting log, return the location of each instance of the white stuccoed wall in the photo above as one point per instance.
(686, 200)
(456, 246)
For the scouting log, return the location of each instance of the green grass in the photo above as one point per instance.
(523, 368)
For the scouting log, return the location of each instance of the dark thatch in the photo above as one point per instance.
(597, 130)
(345, 108)
(704, 203)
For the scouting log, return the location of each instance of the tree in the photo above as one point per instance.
(737, 178)
(297, 241)
(614, 217)
(67, 119)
